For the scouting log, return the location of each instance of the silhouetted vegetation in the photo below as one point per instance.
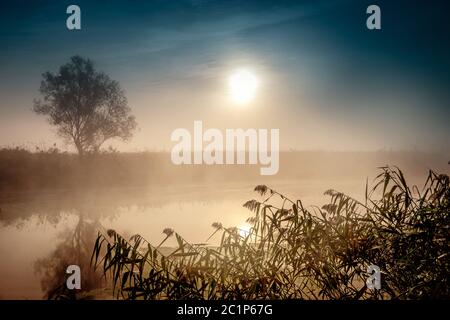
(86, 106)
(294, 252)
(22, 170)
(50, 168)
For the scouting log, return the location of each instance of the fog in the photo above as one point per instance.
(35, 221)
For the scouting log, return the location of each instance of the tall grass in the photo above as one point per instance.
(53, 170)
(295, 252)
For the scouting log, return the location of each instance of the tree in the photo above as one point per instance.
(86, 106)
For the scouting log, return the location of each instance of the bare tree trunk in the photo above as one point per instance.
(80, 149)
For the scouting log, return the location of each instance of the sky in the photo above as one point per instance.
(325, 80)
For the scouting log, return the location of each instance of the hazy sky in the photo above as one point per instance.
(326, 81)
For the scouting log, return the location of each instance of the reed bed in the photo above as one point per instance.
(293, 252)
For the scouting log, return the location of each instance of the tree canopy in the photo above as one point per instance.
(85, 105)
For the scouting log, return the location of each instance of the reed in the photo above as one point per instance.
(293, 252)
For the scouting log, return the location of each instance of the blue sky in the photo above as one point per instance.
(326, 81)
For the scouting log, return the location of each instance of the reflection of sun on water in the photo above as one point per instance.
(243, 85)
(244, 229)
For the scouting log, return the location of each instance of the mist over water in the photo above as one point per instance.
(35, 224)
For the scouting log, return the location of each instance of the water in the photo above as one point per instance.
(34, 224)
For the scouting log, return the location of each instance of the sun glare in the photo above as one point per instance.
(244, 230)
(243, 85)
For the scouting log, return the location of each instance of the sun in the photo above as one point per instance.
(243, 85)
